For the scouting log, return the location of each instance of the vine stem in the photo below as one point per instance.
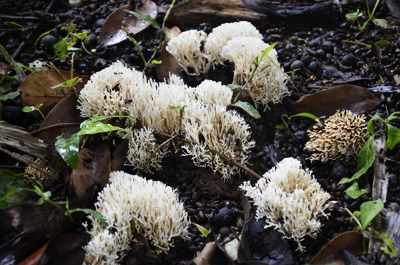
(55, 126)
(228, 160)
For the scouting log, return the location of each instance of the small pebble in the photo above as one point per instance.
(338, 172)
(297, 65)
(393, 180)
(327, 46)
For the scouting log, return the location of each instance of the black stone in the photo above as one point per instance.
(349, 60)
(393, 180)
(297, 65)
(224, 217)
(338, 172)
(48, 41)
(327, 46)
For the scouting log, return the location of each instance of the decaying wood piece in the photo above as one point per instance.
(388, 221)
(255, 11)
(32, 148)
(381, 177)
(18, 138)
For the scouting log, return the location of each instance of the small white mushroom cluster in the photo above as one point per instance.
(210, 128)
(128, 204)
(290, 199)
(240, 43)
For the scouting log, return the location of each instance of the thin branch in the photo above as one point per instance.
(55, 126)
(228, 160)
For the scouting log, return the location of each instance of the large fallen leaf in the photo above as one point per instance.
(169, 63)
(35, 257)
(64, 112)
(36, 89)
(93, 169)
(327, 101)
(333, 251)
(111, 33)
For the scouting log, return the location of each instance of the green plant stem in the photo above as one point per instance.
(282, 72)
(351, 214)
(135, 43)
(357, 43)
(370, 16)
(161, 40)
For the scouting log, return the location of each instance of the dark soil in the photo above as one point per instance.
(325, 61)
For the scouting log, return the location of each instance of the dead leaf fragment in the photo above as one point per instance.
(94, 165)
(111, 33)
(36, 89)
(169, 63)
(333, 251)
(327, 101)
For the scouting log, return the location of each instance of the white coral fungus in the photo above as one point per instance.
(222, 131)
(220, 36)
(342, 137)
(268, 83)
(187, 48)
(131, 202)
(290, 199)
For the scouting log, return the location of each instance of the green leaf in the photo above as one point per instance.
(393, 116)
(381, 22)
(25, 67)
(246, 106)
(370, 127)
(69, 83)
(41, 36)
(354, 192)
(10, 95)
(233, 87)
(98, 216)
(155, 62)
(13, 23)
(353, 16)
(93, 127)
(28, 109)
(369, 210)
(308, 115)
(145, 17)
(68, 149)
(393, 136)
(365, 159)
(60, 49)
(382, 43)
(9, 179)
(82, 35)
(280, 126)
(202, 229)
(266, 51)
(177, 107)
(390, 247)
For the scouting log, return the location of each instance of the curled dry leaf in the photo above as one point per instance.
(36, 89)
(333, 251)
(111, 33)
(169, 63)
(327, 101)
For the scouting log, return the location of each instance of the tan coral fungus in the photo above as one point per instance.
(343, 136)
(131, 202)
(290, 199)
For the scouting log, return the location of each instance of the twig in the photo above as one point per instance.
(55, 126)
(228, 160)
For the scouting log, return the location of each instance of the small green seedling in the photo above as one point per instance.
(33, 108)
(354, 16)
(365, 159)
(392, 133)
(45, 197)
(286, 120)
(69, 149)
(368, 211)
(61, 48)
(380, 43)
(181, 110)
(153, 22)
(245, 105)
(202, 230)
(71, 83)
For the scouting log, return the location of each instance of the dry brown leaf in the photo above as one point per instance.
(327, 101)
(94, 165)
(64, 112)
(169, 63)
(35, 257)
(36, 89)
(111, 33)
(333, 251)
